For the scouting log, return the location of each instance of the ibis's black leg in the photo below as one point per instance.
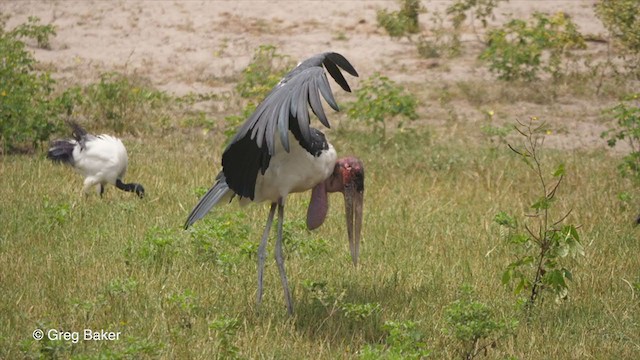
(262, 251)
(280, 259)
(101, 190)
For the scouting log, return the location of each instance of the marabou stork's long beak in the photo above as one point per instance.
(353, 200)
(347, 178)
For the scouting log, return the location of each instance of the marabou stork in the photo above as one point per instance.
(276, 152)
(101, 159)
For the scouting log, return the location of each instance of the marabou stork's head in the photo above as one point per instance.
(347, 178)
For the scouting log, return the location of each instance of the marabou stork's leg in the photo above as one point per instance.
(280, 259)
(262, 251)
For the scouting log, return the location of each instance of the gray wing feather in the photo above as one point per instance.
(283, 122)
(316, 105)
(295, 93)
(218, 191)
(325, 90)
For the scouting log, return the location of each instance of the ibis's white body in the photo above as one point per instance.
(293, 171)
(102, 161)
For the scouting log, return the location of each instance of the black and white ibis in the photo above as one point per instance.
(101, 159)
(276, 152)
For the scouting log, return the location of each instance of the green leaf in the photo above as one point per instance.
(504, 219)
(506, 276)
(560, 171)
(521, 286)
(574, 232)
(519, 239)
(543, 203)
(567, 274)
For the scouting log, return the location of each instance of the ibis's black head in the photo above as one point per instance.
(348, 178)
(139, 190)
(131, 187)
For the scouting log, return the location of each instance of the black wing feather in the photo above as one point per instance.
(337, 75)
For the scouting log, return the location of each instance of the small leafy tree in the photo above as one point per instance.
(515, 51)
(472, 324)
(379, 99)
(545, 243)
(627, 116)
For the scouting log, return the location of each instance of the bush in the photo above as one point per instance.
(404, 341)
(478, 9)
(515, 51)
(29, 112)
(380, 99)
(473, 326)
(32, 29)
(121, 103)
(446, 40)
(402, 22)
(621, 18)
(627, 116)
(263, 73)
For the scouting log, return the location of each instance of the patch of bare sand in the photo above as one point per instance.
(201, 46)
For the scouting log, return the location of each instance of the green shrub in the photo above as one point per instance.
(446, 39)
(627, 116)
(225, 329)
(515, 51)
(33, 30)
(29, 112)
(402, 22)
(478, 9)
(379, 100)
(473, 326)
(264, 71)
(622, 19)
(404, 341)
(121, 103)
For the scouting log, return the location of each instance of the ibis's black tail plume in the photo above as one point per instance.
(61, 151)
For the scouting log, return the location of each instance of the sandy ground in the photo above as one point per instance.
(196, 46)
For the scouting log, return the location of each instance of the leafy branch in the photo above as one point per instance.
(546, 241)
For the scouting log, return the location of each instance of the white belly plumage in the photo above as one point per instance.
(293, 171)
(102, 161)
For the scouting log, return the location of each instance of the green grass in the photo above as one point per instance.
(125, 265)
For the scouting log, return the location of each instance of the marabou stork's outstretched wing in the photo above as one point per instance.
(285, 108)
